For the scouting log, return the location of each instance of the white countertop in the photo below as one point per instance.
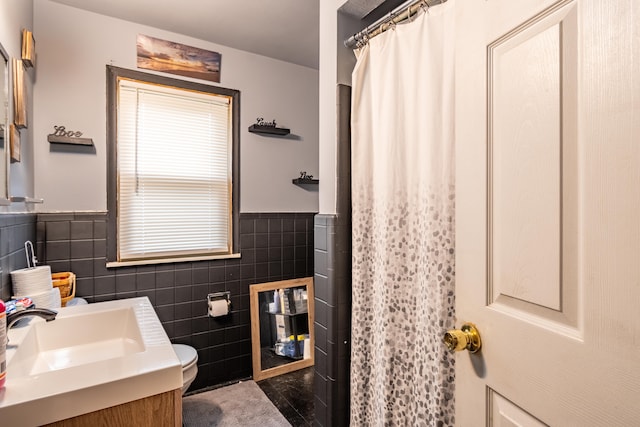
(58, 394)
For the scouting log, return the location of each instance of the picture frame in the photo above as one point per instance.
(28, 49)
(177, 58)
(19, 95)
(14, 143)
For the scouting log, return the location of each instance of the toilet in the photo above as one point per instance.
(189, 360)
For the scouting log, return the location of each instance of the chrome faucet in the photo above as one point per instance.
(45, 313)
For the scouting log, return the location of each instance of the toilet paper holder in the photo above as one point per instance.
(215, 296)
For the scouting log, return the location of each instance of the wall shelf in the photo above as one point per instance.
(299, 181)
(269, 130)
(54, 139)
(26, 199)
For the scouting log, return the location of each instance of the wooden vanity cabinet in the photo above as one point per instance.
(160, 410)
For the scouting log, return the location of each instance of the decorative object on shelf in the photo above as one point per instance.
(19, 91)
(64, 136)
(304, 176)
(260, 122)
(305, 179)
(177, 58)
(14, 143)
(267, 128)
(28, 49)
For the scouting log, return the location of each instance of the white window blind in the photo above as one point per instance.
(174, 172)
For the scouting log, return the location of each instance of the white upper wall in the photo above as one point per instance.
(328, 101)
(336, 64)
(73, 48)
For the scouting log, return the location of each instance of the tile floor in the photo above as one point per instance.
(292, 394)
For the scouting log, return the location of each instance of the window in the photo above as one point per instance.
(173, 160)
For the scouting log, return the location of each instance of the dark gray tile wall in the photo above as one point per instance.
(332, 280)
(15, 230)
(274, 246)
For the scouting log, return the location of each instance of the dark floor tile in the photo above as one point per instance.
(294, 418)
(274, 395)
(292, 394)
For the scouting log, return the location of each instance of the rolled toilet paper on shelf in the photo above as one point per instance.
(48, 299)
(307, 349)
(56, 298)
(218, 307)
(31, 281)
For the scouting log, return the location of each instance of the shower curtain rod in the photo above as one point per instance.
(398, 15)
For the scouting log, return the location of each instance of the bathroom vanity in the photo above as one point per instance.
(106, 361)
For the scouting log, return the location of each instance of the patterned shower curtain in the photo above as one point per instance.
(403, 224)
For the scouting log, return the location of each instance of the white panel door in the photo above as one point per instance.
(548, 212)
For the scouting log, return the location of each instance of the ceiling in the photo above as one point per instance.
(280, 29)
(362, 8)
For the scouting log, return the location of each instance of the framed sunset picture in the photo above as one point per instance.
(177, 58)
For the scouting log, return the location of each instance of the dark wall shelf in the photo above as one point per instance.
(54, 139)
(269, 130)
(299, 181)
(290, 314)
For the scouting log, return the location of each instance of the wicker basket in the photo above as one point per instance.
(66, 283)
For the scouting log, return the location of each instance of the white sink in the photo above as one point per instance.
(90, 357)
(77, 340)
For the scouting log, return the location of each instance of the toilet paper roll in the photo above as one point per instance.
(31, 281)
(48, 299)
(56, 298)
(307, 349)
(218, 308)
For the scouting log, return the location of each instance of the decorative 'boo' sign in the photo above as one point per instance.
(64, 136)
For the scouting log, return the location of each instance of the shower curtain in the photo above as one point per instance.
(403, 224)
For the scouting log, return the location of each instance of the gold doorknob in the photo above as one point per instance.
(467, 337)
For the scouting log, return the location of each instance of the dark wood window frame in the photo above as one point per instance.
(113, 74)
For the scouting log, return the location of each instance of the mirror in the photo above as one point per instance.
(281, 327)
(4, 126)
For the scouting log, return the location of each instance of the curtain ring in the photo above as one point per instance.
(392, 24)
(362, 40)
